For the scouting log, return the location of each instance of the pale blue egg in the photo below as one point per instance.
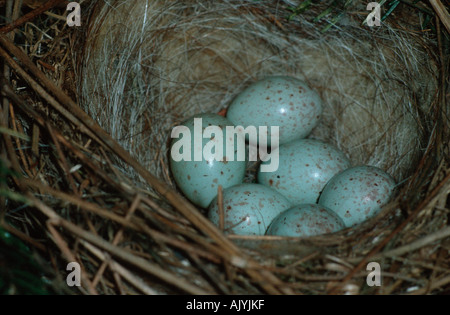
(248, 209)
(306, 220)
(196, 162)
(305, 166)
(358, 193)
(281, 101)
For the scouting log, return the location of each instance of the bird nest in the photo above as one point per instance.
(86, 122)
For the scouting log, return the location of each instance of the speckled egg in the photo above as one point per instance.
(305, 167)
(196, 162)
(280, 101)
(306, 220)
(358, 193)
(248, 209)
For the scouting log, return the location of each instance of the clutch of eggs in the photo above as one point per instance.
(280, 101)
(284, 202)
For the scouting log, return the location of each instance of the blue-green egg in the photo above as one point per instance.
(204, 155)
(248, 209)
(306, 220)
(277, 101)
(304, 168)
(358, 193)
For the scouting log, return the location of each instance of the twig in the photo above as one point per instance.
(28, 17)
(411, 247)
(443, 81)
(81, 203)
(138, 262)
(18, 143)
(220, 206)
(444, 16)
(166, 214)
(153, 269)
(118, 236)
(214, 280)
(69, 256)
(35, 86)
(5, 76)
(111, 165)
(35, 141)
(54, 219)
(62, 159)
(440, 256)
(24, 237)
(10, 152)
(28, 161)
(182, 245)
(6, 90)
(419, 6)
(118, 281)
(431, 265)
(126, 274)
(422, 242)
(433, 286)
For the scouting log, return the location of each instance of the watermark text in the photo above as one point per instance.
(232, 138)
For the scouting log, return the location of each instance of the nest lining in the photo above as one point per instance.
(165, 90)
(140, 79)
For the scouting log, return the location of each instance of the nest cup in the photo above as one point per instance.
(146, 66)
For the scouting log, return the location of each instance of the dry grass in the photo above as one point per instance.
(73, 203)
